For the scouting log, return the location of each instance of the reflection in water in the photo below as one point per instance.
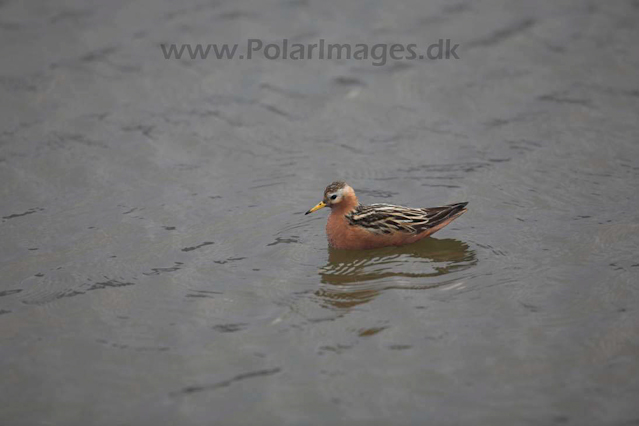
(353, 277)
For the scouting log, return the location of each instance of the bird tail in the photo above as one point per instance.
(438, 217)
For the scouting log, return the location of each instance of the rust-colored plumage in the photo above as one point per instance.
(354, 226)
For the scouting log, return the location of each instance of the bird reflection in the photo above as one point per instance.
(354, 277)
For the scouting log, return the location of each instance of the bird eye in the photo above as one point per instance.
(334, 196)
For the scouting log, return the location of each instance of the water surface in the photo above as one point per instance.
(156, 266)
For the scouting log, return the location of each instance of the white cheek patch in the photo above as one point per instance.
(337, 199)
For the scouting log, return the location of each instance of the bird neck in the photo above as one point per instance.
(348, 204)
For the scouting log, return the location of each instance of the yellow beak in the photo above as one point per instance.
(321, 205)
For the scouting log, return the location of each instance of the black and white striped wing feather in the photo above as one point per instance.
(388, 218)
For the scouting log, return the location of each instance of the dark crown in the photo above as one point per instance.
(334, 187)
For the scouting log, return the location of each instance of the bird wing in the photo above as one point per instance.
(388, 218)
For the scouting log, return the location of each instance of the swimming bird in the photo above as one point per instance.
(356, 227)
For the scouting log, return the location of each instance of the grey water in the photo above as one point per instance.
(156, 267)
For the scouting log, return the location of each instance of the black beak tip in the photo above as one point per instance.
(307, 212)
